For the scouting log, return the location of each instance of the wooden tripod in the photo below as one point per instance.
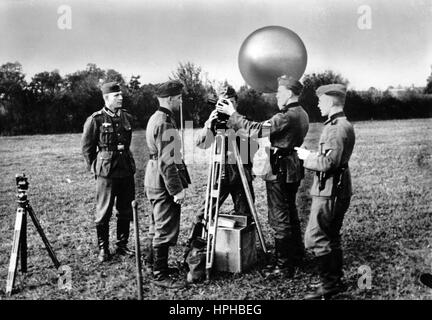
(213, 200)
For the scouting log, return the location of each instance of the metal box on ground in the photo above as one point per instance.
(235, 249)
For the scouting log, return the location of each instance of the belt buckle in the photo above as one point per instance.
(120, 147)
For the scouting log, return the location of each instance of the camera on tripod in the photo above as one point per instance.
(21, 182)
(222, 119)
(22, 186)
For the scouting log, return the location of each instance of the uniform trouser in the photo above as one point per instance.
(282, 213)
(165, 218)
(107, 190)
(238, 195)
(322, 234)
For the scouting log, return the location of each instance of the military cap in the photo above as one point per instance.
(334, 89)
(169, 89)
(110, 87)
(227, 91)
(290, 83)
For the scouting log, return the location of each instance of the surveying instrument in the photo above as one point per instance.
(19, 245)
(214, 184)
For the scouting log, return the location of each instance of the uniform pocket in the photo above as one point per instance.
(106, 134)
(103, 163)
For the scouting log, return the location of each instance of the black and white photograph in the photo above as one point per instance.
(223, 152)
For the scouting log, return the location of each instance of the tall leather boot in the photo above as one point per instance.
(149, 262)
(123, 237)
(103, 242)
(161, 275)
(299, 251)
(283, 263)
(331, 276)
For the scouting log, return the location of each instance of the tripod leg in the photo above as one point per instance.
(212, 221)
(44, 238)
(207, 199)
(249, 195)
(14, 254)
(23, 244)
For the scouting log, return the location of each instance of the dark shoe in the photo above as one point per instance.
(104, 255)
(125, 251)
(283, 263)
(161, 271)
(103, 243)
(163, 280)
(326, 291)
(122, 233)
(330, 266)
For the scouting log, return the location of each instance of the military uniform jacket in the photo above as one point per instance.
(333, 177)
(165, 169)
(286, 130)
(105, 144)
(245, 145)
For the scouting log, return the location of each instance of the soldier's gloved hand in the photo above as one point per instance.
(225, 106)
(213, 116)
(179, 197)
(302, 153)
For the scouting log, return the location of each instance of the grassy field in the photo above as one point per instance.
(387, 228)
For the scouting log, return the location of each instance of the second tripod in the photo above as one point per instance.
(19, 245)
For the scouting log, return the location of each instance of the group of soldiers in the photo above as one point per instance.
(106, 142)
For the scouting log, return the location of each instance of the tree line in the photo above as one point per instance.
(50, 103)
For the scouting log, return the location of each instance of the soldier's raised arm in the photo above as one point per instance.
(250, 128)
(89, 141)
(207, 134)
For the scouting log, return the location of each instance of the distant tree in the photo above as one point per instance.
(82, 80)
(44, 91)
(134, 84)
(12, 80)
(196, 92)
(428, 88)
(113, 75)
(256, 106)
(311, 82)
(14, 104)
(144, 103)
(83, 89)
(46, 83)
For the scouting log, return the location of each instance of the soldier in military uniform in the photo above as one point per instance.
(286, 129)
(105, 143)
(331, 189)
(166, 178)
(231, 181)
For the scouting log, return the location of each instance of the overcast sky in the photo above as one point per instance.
(151, 37)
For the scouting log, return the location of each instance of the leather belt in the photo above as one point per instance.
(119, 147)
